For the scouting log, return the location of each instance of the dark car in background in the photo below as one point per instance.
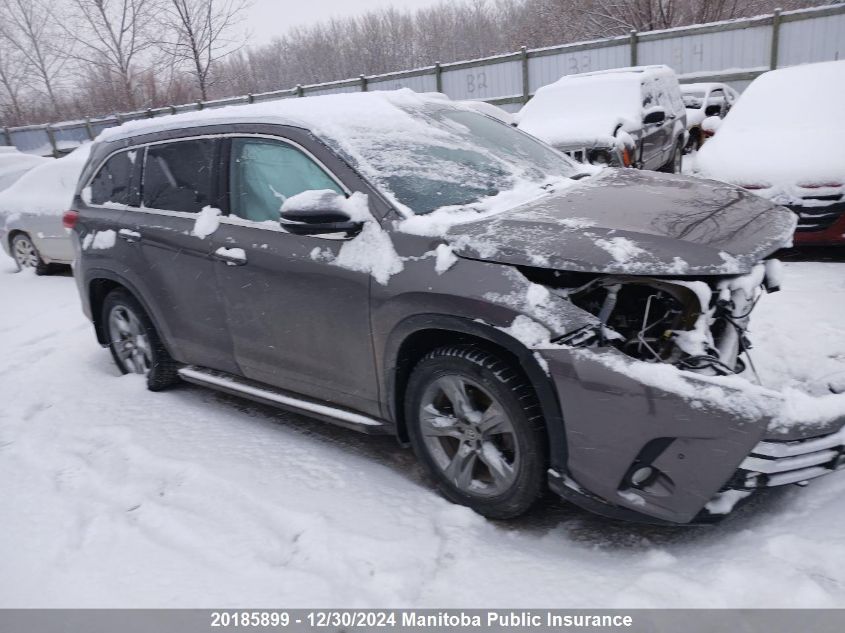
(403, 265)
(624, 117)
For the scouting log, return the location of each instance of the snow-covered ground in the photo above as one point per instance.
(114, 496)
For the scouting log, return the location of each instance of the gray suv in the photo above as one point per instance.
(402, 265)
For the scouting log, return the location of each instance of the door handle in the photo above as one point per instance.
(129, 236)
(232, 256)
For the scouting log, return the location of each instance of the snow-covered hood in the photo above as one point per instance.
(786, 159)
(626, 221)
(568, 132)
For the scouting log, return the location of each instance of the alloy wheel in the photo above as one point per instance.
(469, 436)
(129, 340)
(25, 253)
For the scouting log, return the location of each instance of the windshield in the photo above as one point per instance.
(456, 158)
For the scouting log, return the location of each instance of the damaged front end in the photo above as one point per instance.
(659, 425)
(697, 324)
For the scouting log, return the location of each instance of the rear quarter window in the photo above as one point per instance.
(117, 180)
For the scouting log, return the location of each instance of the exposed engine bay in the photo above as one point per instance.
(697, 324)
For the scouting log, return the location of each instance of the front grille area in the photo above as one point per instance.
(779, 463)
(577, 154)
(818, 218)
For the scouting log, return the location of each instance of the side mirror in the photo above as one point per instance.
(713, 110)
(317, 213)
(710, 125)
(654, 116)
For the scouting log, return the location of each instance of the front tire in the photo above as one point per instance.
(134, 342)
(475, 425)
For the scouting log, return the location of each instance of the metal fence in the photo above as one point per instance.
(734, 52)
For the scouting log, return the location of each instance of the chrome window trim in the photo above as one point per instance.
(145, 146)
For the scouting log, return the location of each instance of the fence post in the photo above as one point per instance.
(363, 83)
(52, 140)
(634, 39)
(773, 60)
(300, 91)
(7, 135)
(438, 77)
(526, 88)
(89, 129)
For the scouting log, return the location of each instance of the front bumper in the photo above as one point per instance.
(777, 463)
(820, 224)
(587, 154)
(637, 451)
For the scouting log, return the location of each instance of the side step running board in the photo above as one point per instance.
(237, 386)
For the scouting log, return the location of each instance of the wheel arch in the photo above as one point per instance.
(100, 283)
(414, 337)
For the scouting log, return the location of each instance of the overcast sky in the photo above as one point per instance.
(268, 18)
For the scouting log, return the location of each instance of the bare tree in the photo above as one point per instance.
(202, 33)
(113, 36)
(13, 72)
(29, 27)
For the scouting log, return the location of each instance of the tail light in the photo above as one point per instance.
(69, 219)
(626, 157)
(752, 186)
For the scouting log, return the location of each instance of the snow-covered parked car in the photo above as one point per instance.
(31, 209)
(702, 101)
(783, 140)
(405, 265)
(625, 117)
(14, 164)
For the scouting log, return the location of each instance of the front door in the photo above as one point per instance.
(297, 321)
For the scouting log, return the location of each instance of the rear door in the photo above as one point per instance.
(297, 321)
(178, 190)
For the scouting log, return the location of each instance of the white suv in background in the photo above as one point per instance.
(625, 117)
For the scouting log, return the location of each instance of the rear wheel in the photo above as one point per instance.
(27, 256)
(134, 342)
(475, 425)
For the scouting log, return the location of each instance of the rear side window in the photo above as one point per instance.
(116, 182)
(178, 176)
(264, 173)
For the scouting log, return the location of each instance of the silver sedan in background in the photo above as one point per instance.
(31, 209)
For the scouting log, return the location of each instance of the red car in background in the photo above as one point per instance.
(784, 141)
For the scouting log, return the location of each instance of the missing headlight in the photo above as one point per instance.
(640, 316)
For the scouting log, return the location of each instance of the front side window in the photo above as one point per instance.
(264, 173)
(178, 176)
(115, 182)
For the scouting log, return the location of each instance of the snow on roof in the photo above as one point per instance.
(422, 152)
(654, 69)
(703, 85)
(47, 188)
(323, 113)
